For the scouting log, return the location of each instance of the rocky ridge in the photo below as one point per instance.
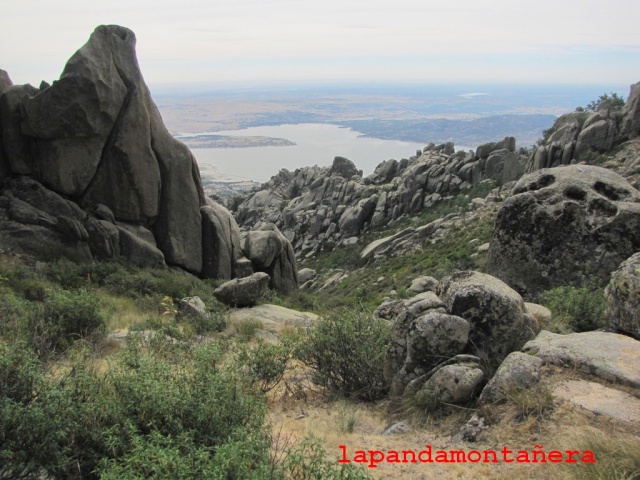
(581, 136)
(320, 207)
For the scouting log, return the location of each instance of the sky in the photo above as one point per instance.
(253, 42)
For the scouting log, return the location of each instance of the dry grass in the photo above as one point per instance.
(244, 327)
(121, 312)
(519, 424)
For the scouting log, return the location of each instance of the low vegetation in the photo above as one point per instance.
(574, 309)
(165, 404)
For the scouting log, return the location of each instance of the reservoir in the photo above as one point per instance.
(315, 144)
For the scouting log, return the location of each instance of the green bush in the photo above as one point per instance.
(204, 324)
(35, 418)
(65, 316)
(159, 457)
(189, 416)
(346, 350)
(265, 363)
(67, 274)
(137, 283)
(581, 309)
(24, 281)
(616, 101)
(308, 461)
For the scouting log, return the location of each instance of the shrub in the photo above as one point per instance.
(68, 274)
(616, 101)
(137, 283)
(582, 309)
(346, 351)
(265, 363)
(64, 317)
(204, 324)
(308, 461)
(34, 417)
(190, 416)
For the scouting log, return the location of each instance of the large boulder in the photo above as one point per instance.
(435, 337)
(15, 144)
(609, 356)
(597, 134)
(243, 292)
(456, 380)
(496, 313)
(473, 316)
(38, 222)
(5, 83)
(96, 136)
(271, 252)
(343, 167)
(518, 371)
(400, 367)
(623, 298)
(221, 247)
(562, 226)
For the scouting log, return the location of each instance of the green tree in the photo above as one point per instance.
(616, 102)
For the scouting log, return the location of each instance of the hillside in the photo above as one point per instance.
(452, 315)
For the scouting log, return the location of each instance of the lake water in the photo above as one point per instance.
(316, 144)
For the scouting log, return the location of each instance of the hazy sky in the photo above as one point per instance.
(236, 42)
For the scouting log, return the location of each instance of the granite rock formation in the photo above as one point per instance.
(319, 207)
(565, 226)
(91, 172)
(470, 316)
(579, 135)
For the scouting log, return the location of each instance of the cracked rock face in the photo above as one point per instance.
(96, 136)
(88, 170)
(564, 226)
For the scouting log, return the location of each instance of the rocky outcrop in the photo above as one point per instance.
(577, 136)
(473, 315)
(623, 298)
(104, 178)
(563, 226)
(318, 208)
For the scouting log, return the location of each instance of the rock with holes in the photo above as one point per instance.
(562, 226)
